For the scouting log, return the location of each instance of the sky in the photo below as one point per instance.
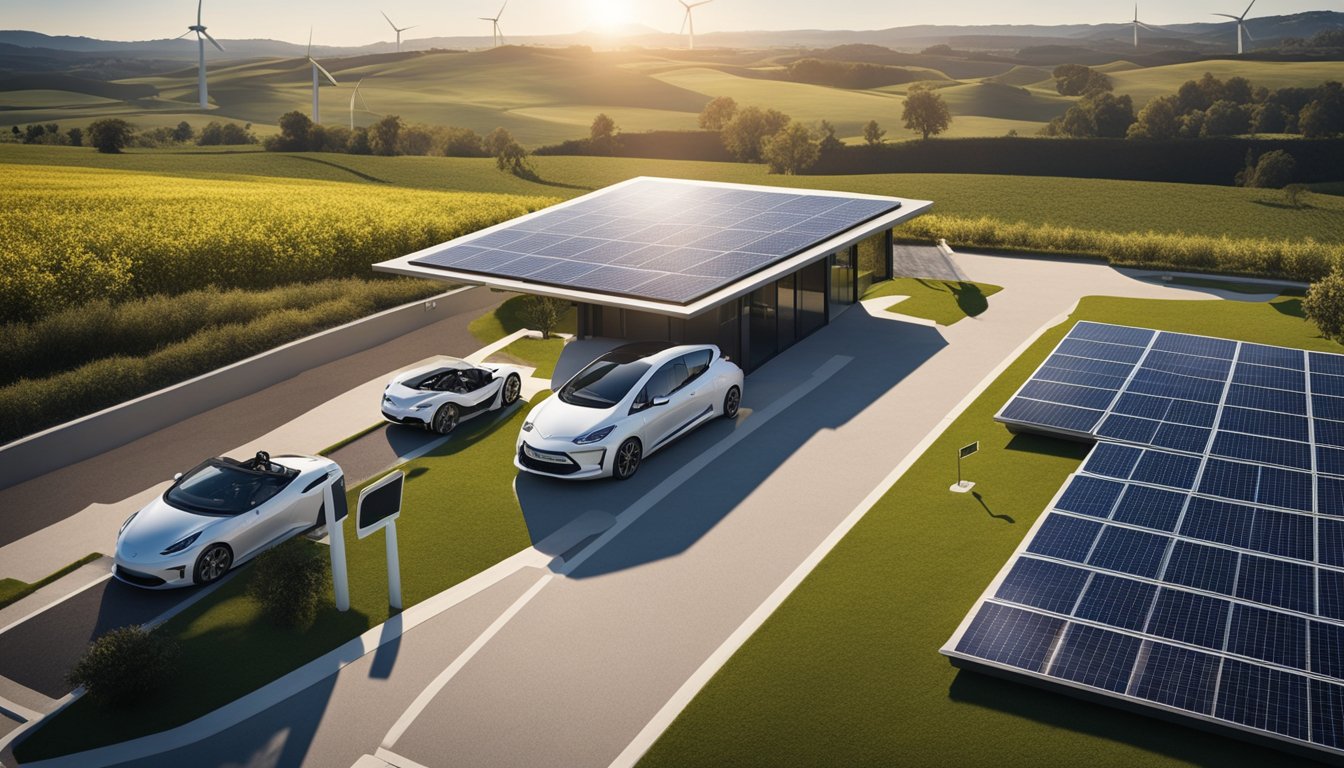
(356, 22)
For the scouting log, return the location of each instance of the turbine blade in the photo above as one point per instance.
(1226, 15)
(389, 21)
(199, 3)
(683, 2)
(310, 43)
(506, 5)
(685, 17)
(1247, 30)
(1150, 29)
(403, 29)
(184, 34)
(212, 41)
(324, 71)
(702, 2)
(1248, 9)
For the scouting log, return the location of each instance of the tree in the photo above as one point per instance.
(295, 133)
(461, 142)
(1191, 98)
(15, 130)
(1157, 120)
(717, 113)
(872, 134)
(1237, 90)
(383, 135)
(746, 134)
(76, 137)
(1269, 118)
(183, 132)
(497, 140)
(829, 144)
(34, 133)
(1293, 194)
(359, 142)
(414, 140)
(1274, 170)
(1324, 305)
(1077, 80)
(791, 150)
(509, 154)
(1224, 118)
(109, 135)
(925, 112)
(1111, 115)
(602, 131)
(543, 313)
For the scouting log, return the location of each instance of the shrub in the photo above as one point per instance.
(1274, 170)
(792, 150)
(745, 135)
(290, 581)
(109, 135)
(718, 112)
(1324, 305)
(123, 667)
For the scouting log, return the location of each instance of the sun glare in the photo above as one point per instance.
(608, 14)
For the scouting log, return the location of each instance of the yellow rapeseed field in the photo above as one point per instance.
(72, 234)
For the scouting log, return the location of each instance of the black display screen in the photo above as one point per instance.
(380, 503)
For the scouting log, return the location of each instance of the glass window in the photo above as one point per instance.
(842, 280)
(217, 488)
(811, 297)
(872, 261)
(761, 324)
(697, 363)
(784, 297)
(665, 380)
(604, 382)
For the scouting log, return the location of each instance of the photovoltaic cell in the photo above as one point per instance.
(1181, 536)
(1011, 636)
(1064, 417)
(617, 227)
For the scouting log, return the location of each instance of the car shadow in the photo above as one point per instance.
(884, 351)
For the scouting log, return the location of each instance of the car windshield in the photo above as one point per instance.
(604, 382)
(219, 488)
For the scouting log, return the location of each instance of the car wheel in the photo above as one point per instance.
(731, 402)
(213, 563)
(513, 387)
(627, 459)
(445, 419)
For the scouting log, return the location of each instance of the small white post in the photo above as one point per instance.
(340, 580)
(393, 567)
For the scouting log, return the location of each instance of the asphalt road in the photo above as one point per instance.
(119, 473)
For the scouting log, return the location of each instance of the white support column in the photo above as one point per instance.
(340, 579)
(393, 567)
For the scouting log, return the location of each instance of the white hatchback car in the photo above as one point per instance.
(626, 405)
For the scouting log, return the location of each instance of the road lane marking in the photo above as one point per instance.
(427, 695)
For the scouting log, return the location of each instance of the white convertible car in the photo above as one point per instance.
(439, 396)
(222, 513)
(626, 405)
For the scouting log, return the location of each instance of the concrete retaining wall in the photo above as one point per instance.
(96, 433)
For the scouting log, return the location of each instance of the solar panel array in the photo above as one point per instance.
(1195, 562)
(658, 239)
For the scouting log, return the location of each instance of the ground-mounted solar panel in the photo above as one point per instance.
(1193, 566)
(678, 235)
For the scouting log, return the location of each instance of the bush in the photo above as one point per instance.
(291, 582)
(1274, 170)
(1324, 305)
(123, 667)
(542, 313)
(109, 135)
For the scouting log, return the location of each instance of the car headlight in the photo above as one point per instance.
(387, 399)
(122, 529)
(421, 406)
(181, 545)
(596, 435)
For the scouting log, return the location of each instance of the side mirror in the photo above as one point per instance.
(177, 477)
(657, 401)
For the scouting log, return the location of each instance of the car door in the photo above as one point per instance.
(482, 392)
(266, 521)
(669, 419)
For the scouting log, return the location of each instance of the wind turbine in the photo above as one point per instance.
(352, 104)
(398, 30)
(496, 35)
(201, 37)
(688, 21)
(317, 114)
(1138, 24)
(1241, 25)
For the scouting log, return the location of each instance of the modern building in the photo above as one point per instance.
(752, 269)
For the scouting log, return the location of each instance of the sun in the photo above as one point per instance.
(608, 14)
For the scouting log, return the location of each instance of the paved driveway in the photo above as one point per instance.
(585, 655)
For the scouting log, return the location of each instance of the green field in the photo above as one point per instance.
(1098, 204)
(847, 670)
(1145, 84)
(942, 301)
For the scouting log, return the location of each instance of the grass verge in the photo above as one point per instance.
(942, 301)
(847, 671)
(228, 649)
(542, 353)
(13, 590)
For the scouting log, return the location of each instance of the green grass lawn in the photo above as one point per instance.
(1092, 204)
(13, 590)
(508, 318)
(543, 354)
(942, 301)
(459, 517)
(847, 671)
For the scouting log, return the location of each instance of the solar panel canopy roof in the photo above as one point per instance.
(1194, 565)
(667, 242)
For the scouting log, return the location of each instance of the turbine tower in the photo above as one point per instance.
(398, 30)
(496, 35)
(201, 37)
(1241, 25)
(1138, 24)
(688, 22)
(317, 114)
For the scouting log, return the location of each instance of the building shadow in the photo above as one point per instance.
(884, 352)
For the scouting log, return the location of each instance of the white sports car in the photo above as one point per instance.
(624, 406)
(439, 396)
(221, 513)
